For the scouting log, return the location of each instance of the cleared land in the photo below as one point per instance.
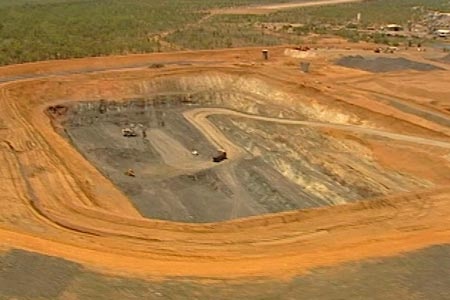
(57, 203)
(369, 165)
(383, 64)
(336, 183)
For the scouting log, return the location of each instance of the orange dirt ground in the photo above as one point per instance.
(55, 202)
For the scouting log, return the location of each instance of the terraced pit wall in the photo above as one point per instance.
(285, 167)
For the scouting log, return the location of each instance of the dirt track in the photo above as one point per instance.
(260, 9)
(55, 202)
(199, 118)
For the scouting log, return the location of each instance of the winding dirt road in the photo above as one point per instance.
(199, 118)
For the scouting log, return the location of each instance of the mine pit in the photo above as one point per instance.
(213, 147)
(228, 171)
(167, 166)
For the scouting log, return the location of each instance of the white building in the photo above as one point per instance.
(442, 33)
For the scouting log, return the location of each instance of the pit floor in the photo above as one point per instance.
(287, 167)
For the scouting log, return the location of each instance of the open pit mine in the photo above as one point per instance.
(221, 164)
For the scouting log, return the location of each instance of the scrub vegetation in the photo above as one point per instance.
(32, 30)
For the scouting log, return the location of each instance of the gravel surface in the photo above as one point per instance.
(383, 64)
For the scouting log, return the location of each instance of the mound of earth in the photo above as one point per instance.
(383, 64)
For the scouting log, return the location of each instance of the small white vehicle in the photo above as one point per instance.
(129, 132)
